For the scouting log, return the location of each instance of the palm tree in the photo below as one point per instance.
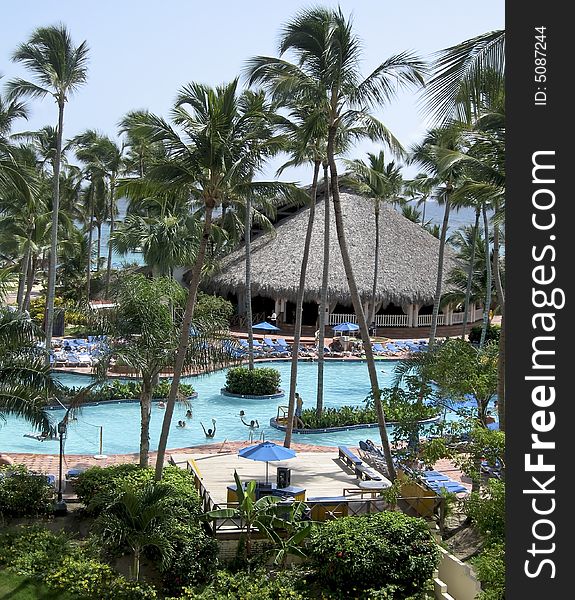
(445, 178)
(383, 183)
(166, 242)
(26, 387)
(214, 155)
(327, 54)
(138, 517)
(458, 85)
(60, 69)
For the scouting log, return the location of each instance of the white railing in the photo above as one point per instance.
(423, 320)
(336, 319)
(457, 318)
(391, 320)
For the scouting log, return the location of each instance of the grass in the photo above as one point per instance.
(16, 587)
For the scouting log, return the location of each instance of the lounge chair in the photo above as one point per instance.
(281, 342)
(378, 349)
(72, 360)
(451, 486)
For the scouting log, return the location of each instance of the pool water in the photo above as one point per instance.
(345, 383)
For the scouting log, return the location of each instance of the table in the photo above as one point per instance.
(271, 489)
(374, 485)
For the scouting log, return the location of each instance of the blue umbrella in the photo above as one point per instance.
(266, 451)
(346, 327)
(265, 325)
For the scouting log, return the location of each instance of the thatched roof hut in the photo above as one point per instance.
(407, 259)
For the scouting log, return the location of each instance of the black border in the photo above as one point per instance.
(532, 128)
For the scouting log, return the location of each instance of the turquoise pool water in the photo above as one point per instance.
(346, 383)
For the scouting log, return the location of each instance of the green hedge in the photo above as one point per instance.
(131, 390)
(257, 382)
(257, 585)
(388, 551)
(398, 409)
(99, 483)
(493, 333)
(92, 580)
(53, 559)
(24, 494)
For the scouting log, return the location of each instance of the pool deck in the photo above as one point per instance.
(315, 468)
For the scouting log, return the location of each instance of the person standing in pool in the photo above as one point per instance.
(299, 424)
(253, 425)
(210, 433)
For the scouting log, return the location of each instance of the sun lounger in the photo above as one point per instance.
(348, 456)
(448, 486)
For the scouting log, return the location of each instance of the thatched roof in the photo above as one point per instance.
(407, 259)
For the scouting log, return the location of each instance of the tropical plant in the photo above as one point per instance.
(26, 387)
(444, 180)
(137, 517)
(383, 183)
(253, 513)
(388, 550)
(213, 159)
(24, 494)
(142, 331)
(327, 57)
(259, 382)
(60, 69)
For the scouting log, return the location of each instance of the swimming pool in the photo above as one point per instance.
(345, 383)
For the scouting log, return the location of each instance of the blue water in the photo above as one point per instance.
(346, 383)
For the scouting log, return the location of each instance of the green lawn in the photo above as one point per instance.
(15, 587)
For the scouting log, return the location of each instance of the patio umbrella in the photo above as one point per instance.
(347, 326)
(265, 325)
(266, 451)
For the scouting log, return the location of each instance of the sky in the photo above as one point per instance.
(143, 51)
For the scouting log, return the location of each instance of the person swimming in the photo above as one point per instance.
(189, 414)
(210, 432)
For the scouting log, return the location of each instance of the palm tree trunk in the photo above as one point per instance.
(112, 221)
(145, 415)
(438, 285)
(324, 298)
(99, 245)
(488, 278)
(23, 276)
(51, 291)
(375, 263)
(136, 564)
(357, 303)
(90, 236)
(470, 275)
(501, 356)
(184, 337)
(299, 308)
(30, 283)
(248, 292)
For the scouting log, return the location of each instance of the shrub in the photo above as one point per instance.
(24, 494)
(487, 510)
(490, 568)
(493, 333)
(383, 550)
(247, 586)
(91, 580)
(195, 558)
(131, 390)
(33, 550)
(213, 307)
(98, 483)
(257, 382)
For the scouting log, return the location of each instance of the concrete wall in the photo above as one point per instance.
(455, 580)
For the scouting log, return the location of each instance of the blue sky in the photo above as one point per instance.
(142, 52)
